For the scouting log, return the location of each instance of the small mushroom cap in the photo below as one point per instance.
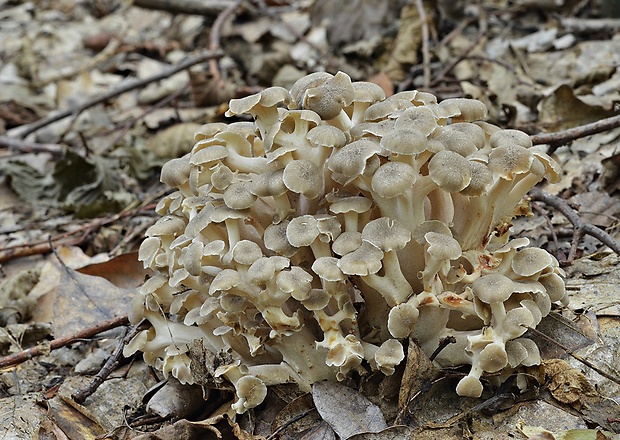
(456, 141)
(296, 282)
(469, 386)
(353, 159)
(302, 231)
(207, 131)
(405, 141)
(304, 83)
(533, 353)
(327, 269)
(303, 177)
(509, 160)
(365, 260)
(493, 288)
(419, 118)
(364, 91)
(510, 137)
(493, 358)
(402, 320)
(516, 322)
(169, 225)
(268, 184)
(239, 196)
(347, 242)
(211, 153)
(442, 246)
(357, 204)
(175, 172)
(473, 131)
(246, 252)
(389, 354)
(329, 98)
(386, 234)
(531, 261)
(326, 136)
(450, 171)
(463, 109)
(430, 226)
(380, 110)
(554, 286)
(481, 180)
(251, 392)
(317, 300)
(393, 179)
(276, 240)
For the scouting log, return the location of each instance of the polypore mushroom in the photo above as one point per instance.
(316, 238)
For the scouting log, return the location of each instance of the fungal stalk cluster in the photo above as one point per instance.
(313, 239)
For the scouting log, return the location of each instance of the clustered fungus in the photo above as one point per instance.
(312, 240)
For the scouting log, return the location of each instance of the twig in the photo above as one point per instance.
(570, 352)
(426, 58)
(110, 365)
(581, 228)
(30, 147)
(555, 140)
(24, 131)
(42, 349)
(536, 207)
(196, 7)
(214, 38)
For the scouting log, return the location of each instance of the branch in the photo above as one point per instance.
(195, 7)
(555, 140)
(24, 131)
(43, 349)
(29, 147)
(581, 228)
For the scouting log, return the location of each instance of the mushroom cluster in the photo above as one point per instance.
(314, 239)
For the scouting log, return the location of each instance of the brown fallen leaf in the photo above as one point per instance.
(346, 410)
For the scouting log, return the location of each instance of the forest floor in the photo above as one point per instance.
(96, 96)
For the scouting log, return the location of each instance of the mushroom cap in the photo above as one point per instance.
(304, 83)
(239, 196)
(380, 110)
(510, 137)
(251, 392)
(457, 141)
(347, 242)
(531, 261)
(211, 153)
(327, 269)
(419, 118)
(509, 160)
(405, 141)
(364, 91)
(326, 136)
(246, 252)
(207, 131)
(469, 386)
(402, 320)
(450, 171)
(175, 172)
(268, 184)
(393, 179)
(222, 177)
(493, 358)
(357, 204)
(386, 234)
(353, 159)
(365, 260)
(389, 354)
(493, 288)
(296, 282)
(481, 180)
(464, 109)
(516, 322)
(554, 286)
(276, 240)
(328, 98)
(317, 300)
(303, 177)
(302, 231)
(442, 246)
(473, 131)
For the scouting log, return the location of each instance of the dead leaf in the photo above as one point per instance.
(124, 271)
(83, 301)
(75, 424)
(418, 375)
(391, 433)
(296, 417)
(346, 410)
(322, 431)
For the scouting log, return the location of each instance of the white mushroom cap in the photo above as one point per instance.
(450, 171)
(402, 320)
(392, 179)
(493, 288)
(389, 354)
(250, 391)
(531, 261)
(469, 386)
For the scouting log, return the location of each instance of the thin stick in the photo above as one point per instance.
(560, 138)
(43, 349)
(441, 75)
(426, 58)
(214, 39)
(581, 228)
(29, 147)
(124, 88)
(570, 352)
